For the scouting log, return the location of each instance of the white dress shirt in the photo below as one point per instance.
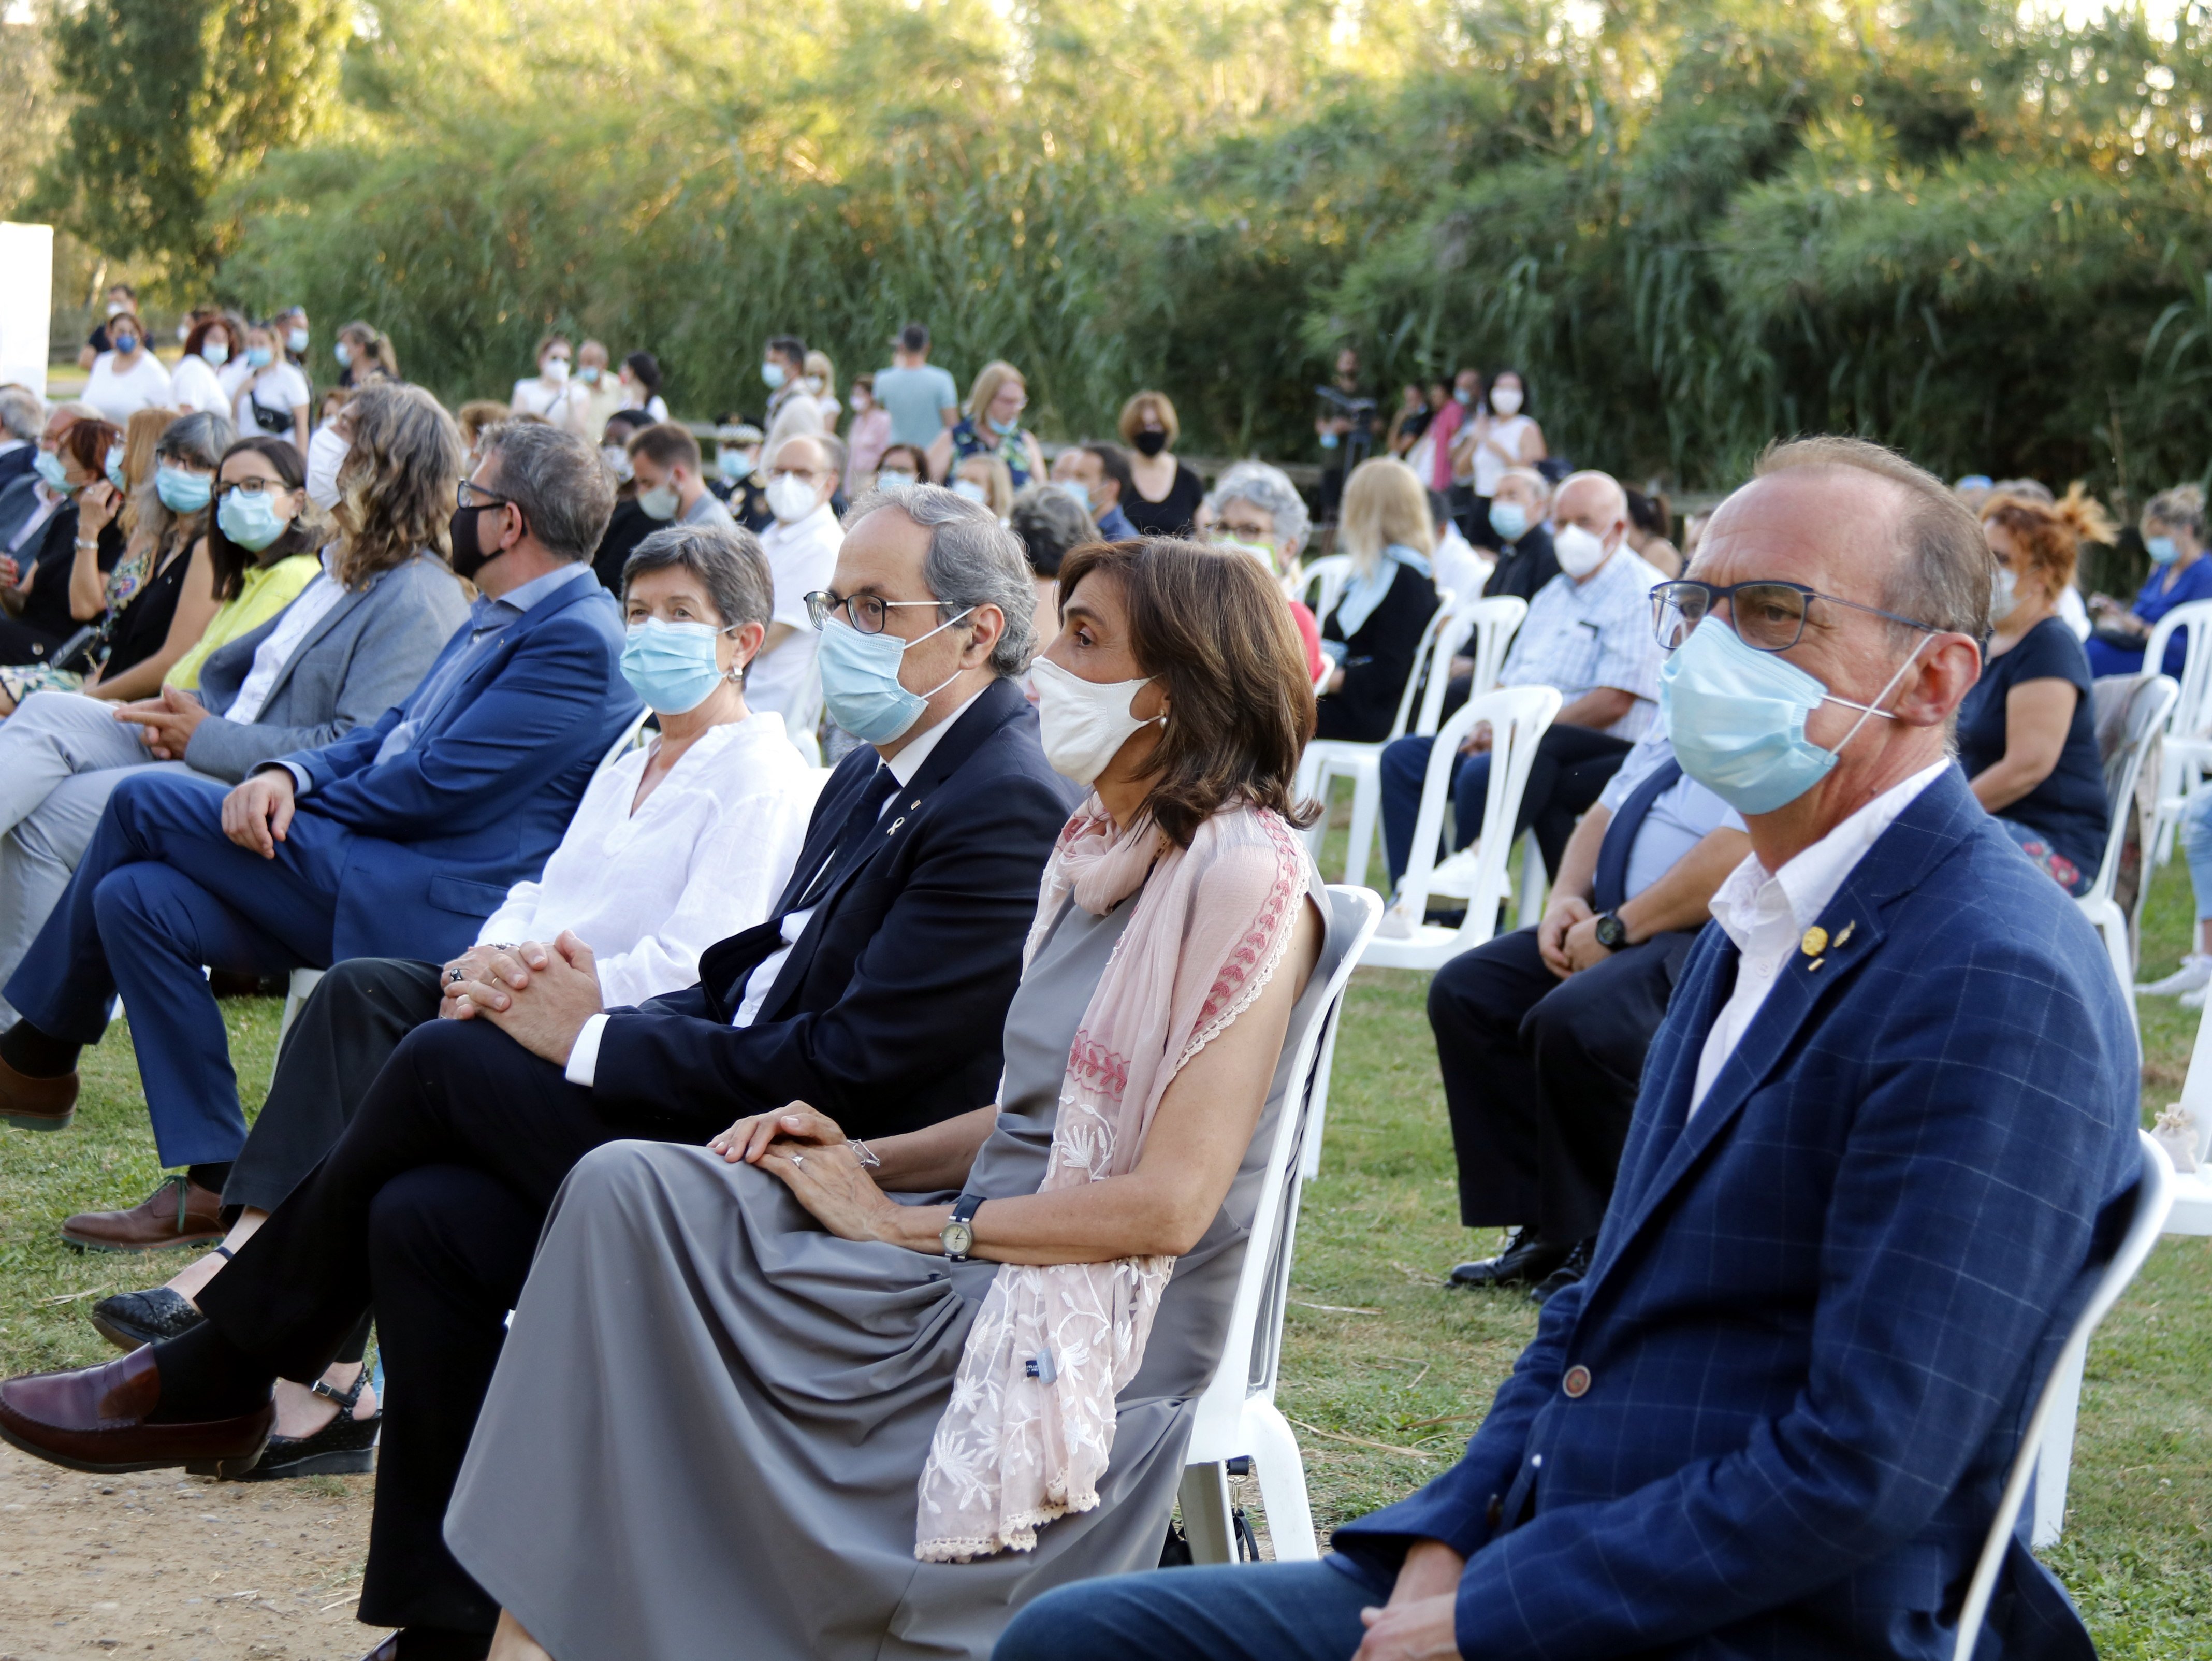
(1766, 914)
(313, 603)
(802, 557)
(1579, 636)
(703, 859)
(584, 1054)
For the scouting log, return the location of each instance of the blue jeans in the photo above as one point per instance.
(1405, 765)
(1229, 1612)
(1568, 772)
(2196, 849)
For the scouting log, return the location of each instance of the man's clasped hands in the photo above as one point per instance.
(539, 995)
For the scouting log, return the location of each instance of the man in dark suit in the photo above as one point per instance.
(401, 836)
(22, 418)
(877, 992)
(1886, 1135)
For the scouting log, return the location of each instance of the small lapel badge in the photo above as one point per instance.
(1844, 936)
(1815, 942)
(895, 823)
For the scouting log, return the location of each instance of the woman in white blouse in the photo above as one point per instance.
(127, 377)
(676, 846)
(550, 392)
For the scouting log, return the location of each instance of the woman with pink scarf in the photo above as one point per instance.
(793, 1396)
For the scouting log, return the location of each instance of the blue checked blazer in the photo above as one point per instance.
(1820, 1311)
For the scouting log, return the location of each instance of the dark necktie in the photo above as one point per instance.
(859, 825)
(1609, 885)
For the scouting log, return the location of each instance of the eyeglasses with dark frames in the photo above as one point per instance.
(865, 612)
(1769, 614)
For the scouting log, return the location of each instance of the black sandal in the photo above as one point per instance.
(129, 1320)
(344, 1447)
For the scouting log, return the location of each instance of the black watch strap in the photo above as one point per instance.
(1611, 932)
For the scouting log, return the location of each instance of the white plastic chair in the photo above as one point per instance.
(302, 983)
(2192, 1189)
(1518, 718)
(1321, 583)
(1236, 1417)
(2046, 1449)
(2186, 750)
(2131, 713)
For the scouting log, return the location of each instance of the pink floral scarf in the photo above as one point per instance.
(1030, 1425)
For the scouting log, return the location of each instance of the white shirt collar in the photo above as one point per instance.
(1754, 897)
(905, 764)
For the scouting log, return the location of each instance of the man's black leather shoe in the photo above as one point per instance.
(1525, 1262)
(1577, 1265)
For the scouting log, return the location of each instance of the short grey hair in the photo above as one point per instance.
(22, 416)
(1942, 574)
(2180, 509)
(1050, 525)
(1268, 488)
(973, 560)
(557, 480)
(729, 561)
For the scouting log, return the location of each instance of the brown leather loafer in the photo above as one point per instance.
(94, 1418)
(179, 1213)
(30, 1104)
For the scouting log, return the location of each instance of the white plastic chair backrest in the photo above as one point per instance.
(2154, 1198)
(633, 736)
(1320, 585)
(1250, 1351)
(1432, 663)
(1518, 717)
(1486, 629)
(2130, 717)
(2189, 710)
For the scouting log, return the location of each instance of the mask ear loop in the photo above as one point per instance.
(932, 635)
(1873, 709)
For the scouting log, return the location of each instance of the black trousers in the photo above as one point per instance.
(428, 1207)
(339, 1041)
(1540, 1075)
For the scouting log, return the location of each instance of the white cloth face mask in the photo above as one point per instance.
(1083, 724)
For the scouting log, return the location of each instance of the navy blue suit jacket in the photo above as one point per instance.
(889, 1012)
(1819, 1313)
(478, 802)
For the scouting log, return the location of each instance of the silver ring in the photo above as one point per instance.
(799, 1160)
(454, 977)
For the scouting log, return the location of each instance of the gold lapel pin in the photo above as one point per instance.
(1815, 942)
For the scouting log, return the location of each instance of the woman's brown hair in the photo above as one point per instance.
(2048, 536)
(86, 441)
(1211, 626)
(395, 485)
(303, 535)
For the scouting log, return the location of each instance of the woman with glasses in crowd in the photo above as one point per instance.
(153, 606)
(992, 426)
(127, 377)
(1256, 509)
(806, 1332)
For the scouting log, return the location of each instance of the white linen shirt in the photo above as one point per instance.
(703, 858)
(802, 557)
(1579, 636)
(584, 1054)
(1766, 914)
(312, 604)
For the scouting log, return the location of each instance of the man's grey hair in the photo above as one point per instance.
(1530, 476)
(973, 560)
(22, 416)
(557, 479)
(1941, 573)
(728, 562)
(1266, 488)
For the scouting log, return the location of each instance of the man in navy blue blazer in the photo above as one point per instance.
(877, 991)
(1886, 1135)
(398, 839)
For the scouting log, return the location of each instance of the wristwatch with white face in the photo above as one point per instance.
(959, 1234)
(1611, 932)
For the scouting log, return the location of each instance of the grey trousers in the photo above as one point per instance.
(62, 754)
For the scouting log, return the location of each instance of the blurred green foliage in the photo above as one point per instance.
(1692, 226)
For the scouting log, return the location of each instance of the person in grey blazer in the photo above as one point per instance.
(62, 754)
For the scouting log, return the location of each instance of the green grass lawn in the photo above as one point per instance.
(1387, 1381)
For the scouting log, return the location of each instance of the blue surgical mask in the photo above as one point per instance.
(182, 492)
(1005, 429)
(1737, 719)
(1077, 494)
(772, 376)
(736, 464)
(1509, 520)
(261, 356)
(297, 340)
(250, 521)
(2161, 550)
(126, 343)
(343, 352)
(672, 666)
(861, 685)
(49, 466)
(112, 466)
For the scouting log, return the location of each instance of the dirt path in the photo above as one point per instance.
(179, 1568)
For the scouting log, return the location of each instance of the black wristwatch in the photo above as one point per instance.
(959, 1234)
(1611, 932)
